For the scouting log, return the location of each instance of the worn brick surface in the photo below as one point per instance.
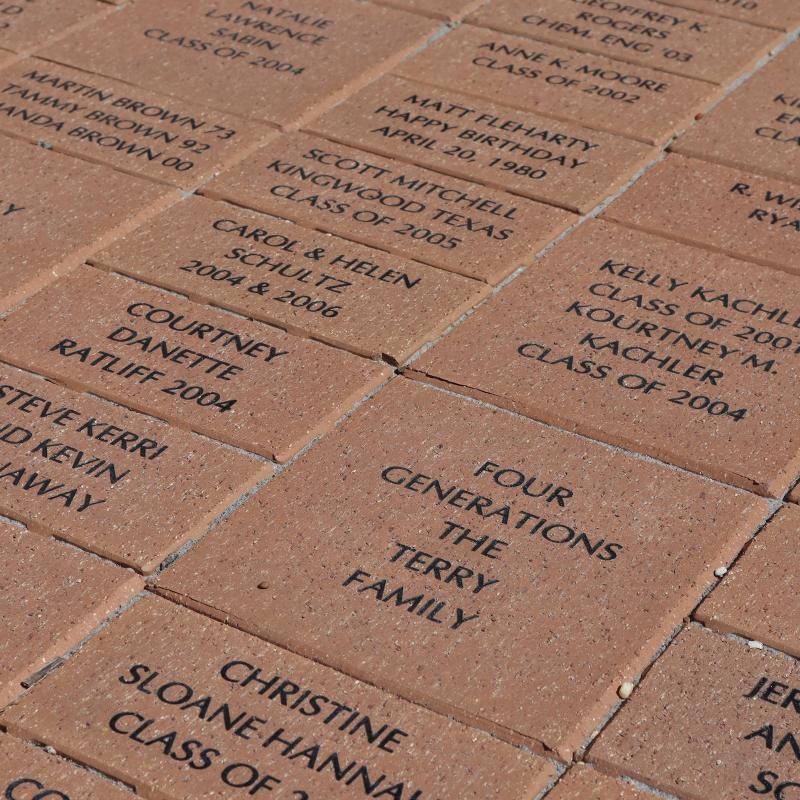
(444, 9)
(585, 783)
(55, 210)
(51, 596)
(25, 24)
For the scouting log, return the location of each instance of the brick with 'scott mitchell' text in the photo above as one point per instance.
(413, 212)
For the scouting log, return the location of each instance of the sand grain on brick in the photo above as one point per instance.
(757, 127)
(51, 596)
(538, 157)
(311, 283)
(758, 598)
(680, 41)
(614, 334)
(727, 209)
(447, 222)
(713, 718)
(431, 545)
(55, 210)
(238, 381)
(298, 729)
(110, 480)
(598, 92)
(263, 62)
(113, 123)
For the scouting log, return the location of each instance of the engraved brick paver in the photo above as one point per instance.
(596, 91)
(759, 597)
(664, 348)
(55, 210)
(184, 708)
(712, 719)
(26, 771)
(242, 382)
(398, 399)
(696, 45)
(311, 283)
(538, 157)
(781, 14)
(259, 60)
(130, 488)
(495, 570)
(727, 209)
(51, 596)
(758, 126)
(113, 123)
(447, 222)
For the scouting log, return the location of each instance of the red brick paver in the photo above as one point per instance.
(399, 399)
